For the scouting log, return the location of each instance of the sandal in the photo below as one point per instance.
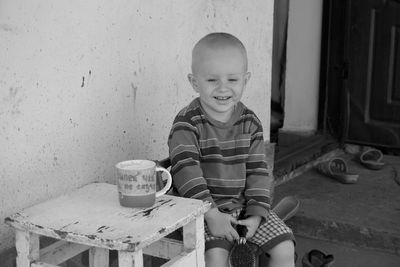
(372, 159)
(337, 169)
(287, 207)
(316, 258)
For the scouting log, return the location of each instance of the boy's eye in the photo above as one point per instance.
(233, 80)
(211, 80)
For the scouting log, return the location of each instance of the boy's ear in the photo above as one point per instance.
(247, 77)
(193, 82)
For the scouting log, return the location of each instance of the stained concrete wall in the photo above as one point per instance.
(85, 84)
(303, 64)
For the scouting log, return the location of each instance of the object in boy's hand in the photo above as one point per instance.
(241, 254)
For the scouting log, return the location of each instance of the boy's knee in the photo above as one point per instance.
(216, 257)
(283, 251)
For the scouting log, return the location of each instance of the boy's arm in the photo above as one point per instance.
(259, 183)
(185, 165)
(189, 181)
(221, 224)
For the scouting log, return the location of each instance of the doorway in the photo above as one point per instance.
(297, 125)
(361, 83)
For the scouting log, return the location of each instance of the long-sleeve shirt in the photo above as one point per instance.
(223, 163)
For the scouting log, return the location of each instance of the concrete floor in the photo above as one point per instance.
(359, 223)
(345, 255)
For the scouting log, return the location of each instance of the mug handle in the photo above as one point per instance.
(169, 182)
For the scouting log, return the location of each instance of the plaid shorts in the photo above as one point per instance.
(269, 234)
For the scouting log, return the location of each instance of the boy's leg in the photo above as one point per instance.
(282, 255)
(217, 249)
(216, 257)
(276, 239)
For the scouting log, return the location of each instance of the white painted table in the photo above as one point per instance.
(91, 218)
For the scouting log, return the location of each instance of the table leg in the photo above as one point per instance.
(193, 238)
(98, 257)
(27, 246)
(130, 259)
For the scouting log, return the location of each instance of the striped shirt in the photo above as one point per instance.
(223, 163)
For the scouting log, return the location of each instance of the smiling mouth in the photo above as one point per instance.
(222, 97)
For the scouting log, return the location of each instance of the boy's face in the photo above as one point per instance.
(219, 76)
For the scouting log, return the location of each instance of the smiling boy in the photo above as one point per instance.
(216, 148)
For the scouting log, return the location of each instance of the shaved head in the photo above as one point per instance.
(214, 43)
(219, 74)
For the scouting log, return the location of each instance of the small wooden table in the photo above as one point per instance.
(92, 218)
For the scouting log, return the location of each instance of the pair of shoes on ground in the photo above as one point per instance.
(317, 258)
(337, 168)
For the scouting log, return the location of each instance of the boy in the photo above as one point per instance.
(216, 149)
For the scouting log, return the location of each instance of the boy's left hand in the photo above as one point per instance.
(251, 224)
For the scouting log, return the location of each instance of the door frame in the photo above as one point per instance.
(333, 111)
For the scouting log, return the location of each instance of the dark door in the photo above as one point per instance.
(363, 74)
(373, 81)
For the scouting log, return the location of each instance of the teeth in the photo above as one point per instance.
(222, 97)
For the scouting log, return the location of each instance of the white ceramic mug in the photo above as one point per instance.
(136, 181)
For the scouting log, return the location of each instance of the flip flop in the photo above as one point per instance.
(287, 207)
(317, 258)
(372, 159)
(337, 169)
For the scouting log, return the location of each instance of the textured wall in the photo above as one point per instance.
(85, 84)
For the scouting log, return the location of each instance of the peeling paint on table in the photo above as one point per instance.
(92, 215)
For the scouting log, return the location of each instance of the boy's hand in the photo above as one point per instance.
(220, 224)
(251, 224)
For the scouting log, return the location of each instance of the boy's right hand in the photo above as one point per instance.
(220, 224)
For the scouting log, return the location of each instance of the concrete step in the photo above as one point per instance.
(299, 155)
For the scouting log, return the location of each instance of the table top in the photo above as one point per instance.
(92, 215)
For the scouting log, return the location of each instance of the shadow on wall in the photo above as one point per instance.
(281, 10)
